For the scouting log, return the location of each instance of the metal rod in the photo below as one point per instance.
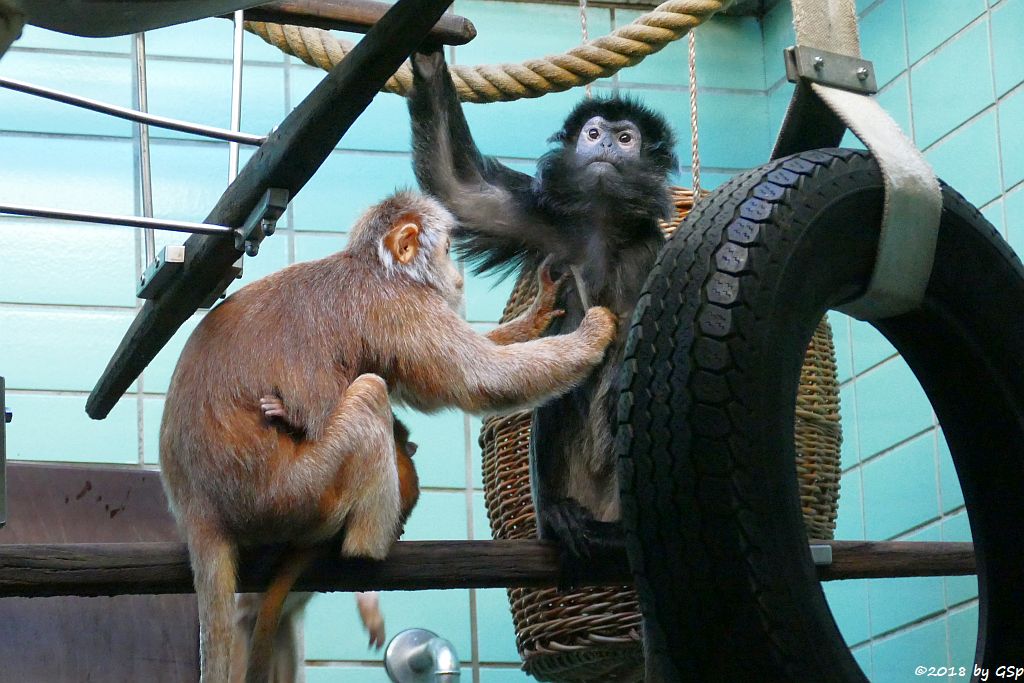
(131, 114)
(236, 92)
(115, 219)
(141, 102)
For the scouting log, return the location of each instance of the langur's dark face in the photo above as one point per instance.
(604, 147)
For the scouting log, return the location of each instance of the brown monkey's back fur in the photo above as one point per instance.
(306, 358)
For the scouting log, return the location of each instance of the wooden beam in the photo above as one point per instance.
(353, 15)
(750, 8)
(157, 568)
(287, 160)
(884, 559)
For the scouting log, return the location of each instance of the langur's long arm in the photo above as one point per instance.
(498, 228)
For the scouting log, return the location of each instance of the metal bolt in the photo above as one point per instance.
(252, 247)
(8, 415)
(819, 63)
(268, 226)
(862, 73)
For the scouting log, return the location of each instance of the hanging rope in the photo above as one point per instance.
(600, 58)
(694, 147)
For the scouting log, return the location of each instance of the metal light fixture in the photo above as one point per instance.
(417, 655)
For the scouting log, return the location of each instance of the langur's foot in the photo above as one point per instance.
(370, 393)
(583, 538)
(272, 408)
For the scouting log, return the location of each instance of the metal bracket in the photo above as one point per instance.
(821, 554)
(262, 222)
(8, 416)
(831, 69)
(163, 268)
(234, 272)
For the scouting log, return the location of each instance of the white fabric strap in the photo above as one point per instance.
(913, 200)
(913, 204)
(827, 25)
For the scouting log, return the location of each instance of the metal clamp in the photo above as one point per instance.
(234, 272)
(821, 554)
(830, 68)
(163, 268)
(262, 222)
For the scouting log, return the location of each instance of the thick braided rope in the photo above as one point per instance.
(598, 58)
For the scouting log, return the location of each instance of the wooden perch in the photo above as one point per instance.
(156, 568)
(287, 160)
(353, 15)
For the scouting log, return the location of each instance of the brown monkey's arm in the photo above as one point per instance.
(532, 323)
(449, 364)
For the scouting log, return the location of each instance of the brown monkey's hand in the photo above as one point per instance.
(599, 327)
(428, 65)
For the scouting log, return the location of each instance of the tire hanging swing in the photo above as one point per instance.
(593, 634)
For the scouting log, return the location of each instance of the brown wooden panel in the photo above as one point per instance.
(67, 639)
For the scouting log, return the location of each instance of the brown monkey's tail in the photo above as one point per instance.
(261, 648)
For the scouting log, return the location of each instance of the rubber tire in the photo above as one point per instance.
(705, 426)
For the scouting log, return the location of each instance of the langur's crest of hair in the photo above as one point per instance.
(434, 221)
(658, 140)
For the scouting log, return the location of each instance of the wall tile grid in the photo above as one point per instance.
(67, 290)
(951, 74)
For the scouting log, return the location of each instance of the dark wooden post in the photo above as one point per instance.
(287, 160)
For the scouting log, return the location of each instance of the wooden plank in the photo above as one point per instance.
(353, 15)
(288, 159)
(878, 559)
(134, 568)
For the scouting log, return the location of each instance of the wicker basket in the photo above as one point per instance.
(593, 634)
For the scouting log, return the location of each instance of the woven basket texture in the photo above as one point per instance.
(593, 634)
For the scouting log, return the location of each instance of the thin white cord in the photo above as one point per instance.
(694, 147)
(586, 37)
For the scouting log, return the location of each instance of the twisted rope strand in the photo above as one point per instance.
(580, 65)
(694, 146)
(585, 35)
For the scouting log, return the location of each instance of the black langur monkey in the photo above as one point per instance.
(594, 206)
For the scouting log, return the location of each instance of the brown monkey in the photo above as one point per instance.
(266, 641)
(266, 635)
(329, 338)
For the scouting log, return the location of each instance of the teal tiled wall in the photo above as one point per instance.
(951, 76)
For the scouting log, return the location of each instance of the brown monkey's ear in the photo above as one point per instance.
(403, 241)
